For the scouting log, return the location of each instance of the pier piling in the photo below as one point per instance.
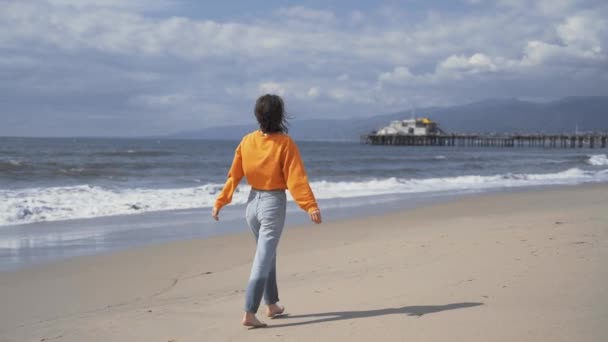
(476, 140)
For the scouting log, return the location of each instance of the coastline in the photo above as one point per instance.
(41, 243)
(519, 265)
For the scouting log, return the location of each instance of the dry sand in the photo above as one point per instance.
(527, 266)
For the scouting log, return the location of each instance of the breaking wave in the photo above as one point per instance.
(84, 201)
(598, 160)
(13, 165)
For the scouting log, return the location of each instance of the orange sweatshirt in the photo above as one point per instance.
(270, 162)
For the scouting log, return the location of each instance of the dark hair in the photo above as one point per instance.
(270, 113)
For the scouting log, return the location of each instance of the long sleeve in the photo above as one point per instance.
(234, 178)
(296, 179)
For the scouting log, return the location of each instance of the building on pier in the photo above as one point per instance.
(426, 132)
(415, 126)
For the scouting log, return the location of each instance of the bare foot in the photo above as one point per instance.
(249, 320)
(274, 310)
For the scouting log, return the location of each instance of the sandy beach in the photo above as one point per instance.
(522, 266)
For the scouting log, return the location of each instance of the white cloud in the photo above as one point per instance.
(133, 34)
(162, 100)
(556, 7)
(582, 39)
(475, 64)
(314, 92)
(585, 29)
(116, 54)
(356, 95)
(130, 33)
(272, 88)
(398, 75)
(542, 53)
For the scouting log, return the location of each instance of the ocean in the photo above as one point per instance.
(63, 179)
(47, 184)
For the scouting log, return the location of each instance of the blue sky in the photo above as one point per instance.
(145, 67)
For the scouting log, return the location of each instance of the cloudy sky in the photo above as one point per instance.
(145, 67)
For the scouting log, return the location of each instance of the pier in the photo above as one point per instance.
(476, 140)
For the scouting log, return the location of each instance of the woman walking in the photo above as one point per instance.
(271, 162)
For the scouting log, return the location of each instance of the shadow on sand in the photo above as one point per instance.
(417, 311)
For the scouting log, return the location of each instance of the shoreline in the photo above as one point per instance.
(524, 266)
(45, 243)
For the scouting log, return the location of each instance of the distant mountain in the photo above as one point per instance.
(314, 130)
(490, 116)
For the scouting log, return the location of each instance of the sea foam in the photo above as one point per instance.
(84, 201)
(598, 160)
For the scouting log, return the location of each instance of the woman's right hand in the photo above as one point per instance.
(215, 213)
(315, 216)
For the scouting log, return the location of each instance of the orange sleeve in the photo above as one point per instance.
(296, 179)
(234, 178)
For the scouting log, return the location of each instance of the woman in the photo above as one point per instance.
(270, 160)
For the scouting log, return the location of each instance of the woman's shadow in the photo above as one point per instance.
(417, 311)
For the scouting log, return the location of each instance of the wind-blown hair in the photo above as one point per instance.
(270, 113)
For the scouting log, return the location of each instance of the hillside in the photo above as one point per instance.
(491, 116)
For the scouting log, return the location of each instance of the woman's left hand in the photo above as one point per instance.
(215, 213)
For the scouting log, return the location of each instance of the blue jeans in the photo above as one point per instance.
(265, 216)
